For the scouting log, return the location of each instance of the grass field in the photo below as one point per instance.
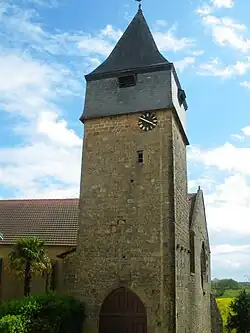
(232, 293)
(223, 305)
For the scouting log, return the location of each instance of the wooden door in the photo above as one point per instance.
(123, 312)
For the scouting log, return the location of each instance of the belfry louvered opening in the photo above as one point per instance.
(127, 81)
(181, 96)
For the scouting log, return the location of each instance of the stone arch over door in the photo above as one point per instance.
(122, 312)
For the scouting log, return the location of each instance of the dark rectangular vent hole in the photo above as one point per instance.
(127, 81)
(181, 96)
(140, 156)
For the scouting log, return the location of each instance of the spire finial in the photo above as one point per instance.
(139, 3)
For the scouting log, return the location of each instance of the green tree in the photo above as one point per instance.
(27, 259)
(230, 284)
(239, 315)
(220, 286)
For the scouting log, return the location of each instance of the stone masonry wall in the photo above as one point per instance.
(126, 213)
(216, 320)
(200, 297)
(181, 231)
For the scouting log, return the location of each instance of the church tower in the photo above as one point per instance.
(131, 265)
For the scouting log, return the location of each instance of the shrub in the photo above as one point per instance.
(239, 316)
(48, 313)
(24, 307)
(63, 312)
(12, 324)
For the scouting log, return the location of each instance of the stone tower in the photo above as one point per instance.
(132, 266)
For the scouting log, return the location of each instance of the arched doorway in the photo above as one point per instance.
(123, 312)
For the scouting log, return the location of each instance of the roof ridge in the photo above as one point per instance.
(36, 200)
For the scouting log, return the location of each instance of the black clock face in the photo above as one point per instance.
(147, 121)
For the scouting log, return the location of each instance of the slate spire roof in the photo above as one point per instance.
(135, 49)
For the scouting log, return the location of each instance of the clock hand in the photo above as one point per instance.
(148, 121)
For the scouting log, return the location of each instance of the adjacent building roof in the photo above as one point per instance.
(53, 221)
(135, 49)
(191, 202)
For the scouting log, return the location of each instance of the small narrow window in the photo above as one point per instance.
(203, 265)
(127, 81)
(140, 156)
(192, 251)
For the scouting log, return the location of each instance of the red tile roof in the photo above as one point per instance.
(55, 221)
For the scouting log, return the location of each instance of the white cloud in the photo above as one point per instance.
(37, 167)
(205, 183)
(228, 196)
(222, 3)
(227, 248)
(161, 23)
(232, 260)
(43, 3)
(245, 84)
(18, 72)
(204, 10)
(50, 3)
(110, 32)
(246, 130)
(27, 23)
(215, 68)
(28, 86)
(102, 43)
(94, 62)
(225, 178)
(238, 137)
(168, 41)
(57, 130)
(52, 150)
(207, 9)
(93, 44)
(227, 157)
(32, 90)
(34, 86)
(197, 53)
(223, 21)
(184, 63)
(226, 31)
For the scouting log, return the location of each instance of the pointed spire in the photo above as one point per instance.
(135, 49)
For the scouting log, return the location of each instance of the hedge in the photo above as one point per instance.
(12, 324)
(48, 313)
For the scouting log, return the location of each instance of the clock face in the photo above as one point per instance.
(147, 121)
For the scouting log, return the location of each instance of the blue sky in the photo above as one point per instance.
(46, 47)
